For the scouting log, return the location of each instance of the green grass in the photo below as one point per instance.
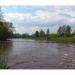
(57, 39)
(62, 39)
(3, 64)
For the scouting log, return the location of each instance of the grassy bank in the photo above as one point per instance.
(62, 39)
(57, 39)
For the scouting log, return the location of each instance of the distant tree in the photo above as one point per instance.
(42, 33)
(37, 34)
(16, 35)
(47, 34)
(68, 31)
(64, 30)
(60, 31)
(25, 35)
(73, 33)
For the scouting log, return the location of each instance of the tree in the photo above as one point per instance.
(60, 31)
(64, 30)
(37, 34)
(42, 33)
(25, 35)
(73, 33)
(68, 31)
(6, 28)
(47, 34)
(16, 35)
(5, 31)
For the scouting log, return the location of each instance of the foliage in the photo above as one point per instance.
(3, 65)
(73, 33)
(47, 34)
(62, 39)
(64, 30)
(42, 33)
(5, 30)
(36, 34)
(16, 35)
(25, 35)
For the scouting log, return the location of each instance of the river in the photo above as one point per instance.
(31, 54)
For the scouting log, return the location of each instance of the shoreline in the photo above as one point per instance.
(65, 40)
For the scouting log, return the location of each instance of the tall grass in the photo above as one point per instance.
(3, 63)
(63, 39)
(58, 39)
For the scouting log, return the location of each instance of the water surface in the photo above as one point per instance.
(31, 54)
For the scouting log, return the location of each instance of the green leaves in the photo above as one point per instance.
(64, 30)
(5, 31)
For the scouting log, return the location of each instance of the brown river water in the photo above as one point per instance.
(31, 54)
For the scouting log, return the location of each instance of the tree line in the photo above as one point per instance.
(64, 30)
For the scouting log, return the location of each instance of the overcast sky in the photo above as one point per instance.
(28, 19)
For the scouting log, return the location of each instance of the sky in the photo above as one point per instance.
(28, 19)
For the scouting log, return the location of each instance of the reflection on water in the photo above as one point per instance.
(30, 54)
(4, 50)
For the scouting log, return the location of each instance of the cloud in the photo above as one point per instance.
(41, 18)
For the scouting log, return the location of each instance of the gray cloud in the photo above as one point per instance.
(44, 17)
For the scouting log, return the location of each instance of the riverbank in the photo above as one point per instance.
(58, 39)
(54, 39)
(63, 39)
